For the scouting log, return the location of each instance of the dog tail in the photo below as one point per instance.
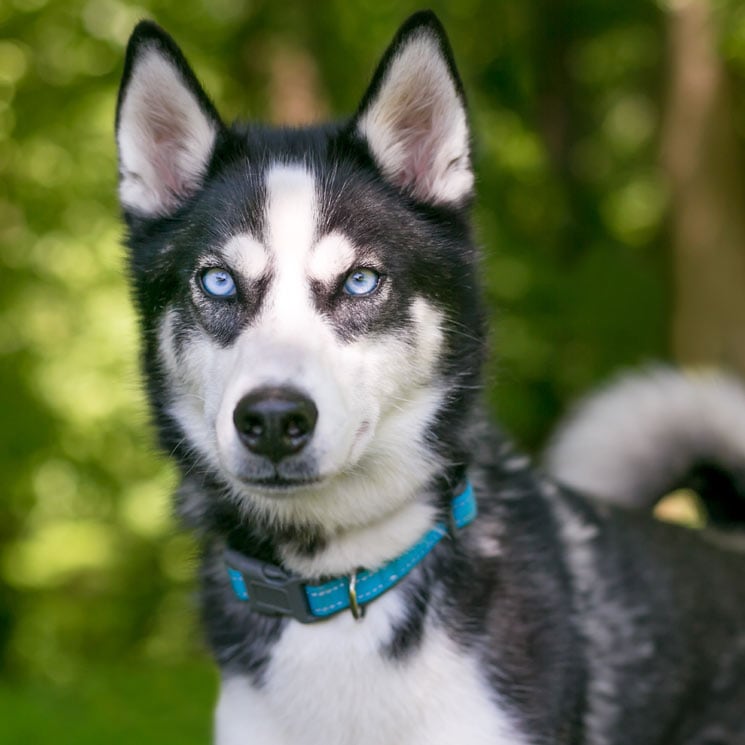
(648, 434)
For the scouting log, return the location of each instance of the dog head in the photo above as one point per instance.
(310, 313)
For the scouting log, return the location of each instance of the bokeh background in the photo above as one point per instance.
(609, 140)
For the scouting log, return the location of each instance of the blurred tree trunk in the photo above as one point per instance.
(295, 97)
(559, 120)
(701, 155)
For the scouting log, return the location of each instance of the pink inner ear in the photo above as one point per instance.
(418, 131)
(421, 136)
(173, 181)
(418, 141)
(415, 123)
(169, 137)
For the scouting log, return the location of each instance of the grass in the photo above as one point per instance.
(117, 707)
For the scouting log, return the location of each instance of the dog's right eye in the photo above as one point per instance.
(218, 283)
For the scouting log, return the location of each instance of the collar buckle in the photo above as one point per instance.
(267, 588)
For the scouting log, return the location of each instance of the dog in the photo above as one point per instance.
(378, 564)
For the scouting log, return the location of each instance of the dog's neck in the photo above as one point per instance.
(364, 546)
(311, 551)
(272, 590)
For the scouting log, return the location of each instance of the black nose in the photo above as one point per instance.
(275, 422)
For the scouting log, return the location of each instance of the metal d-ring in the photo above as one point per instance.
(357, 610)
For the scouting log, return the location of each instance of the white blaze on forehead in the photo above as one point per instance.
(290, 213)
(247, 255)
(331, 256)
(290, 220)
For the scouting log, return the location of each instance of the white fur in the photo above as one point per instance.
(635, 438)
(165, 140)
(376, 396)
(192, 397)
(416, 125)
(329, 684)
(366, 545)
(246, 255)
(331, 256)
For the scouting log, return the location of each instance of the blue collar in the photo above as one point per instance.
(269, 589)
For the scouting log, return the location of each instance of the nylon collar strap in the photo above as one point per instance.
(269, 589)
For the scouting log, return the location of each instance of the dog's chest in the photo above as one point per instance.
(333, 684)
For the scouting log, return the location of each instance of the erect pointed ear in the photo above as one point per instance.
(413, 116)
(165, 125)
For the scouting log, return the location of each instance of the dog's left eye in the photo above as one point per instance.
(361, 282)
(218, 283)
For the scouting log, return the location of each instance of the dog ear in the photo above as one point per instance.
(166, 126)
(413, 116)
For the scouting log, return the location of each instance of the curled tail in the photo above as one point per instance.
(649, 433)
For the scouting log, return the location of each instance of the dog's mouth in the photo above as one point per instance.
(262, 478)
(279, 484)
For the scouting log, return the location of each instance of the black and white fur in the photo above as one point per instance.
(547, 620)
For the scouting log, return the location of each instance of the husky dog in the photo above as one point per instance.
(313, 336)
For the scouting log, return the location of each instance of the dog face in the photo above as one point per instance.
(304, 293)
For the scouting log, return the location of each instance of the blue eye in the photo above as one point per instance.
(361, 282)
(218, 283)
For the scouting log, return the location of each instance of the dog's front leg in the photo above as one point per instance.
(242, 717)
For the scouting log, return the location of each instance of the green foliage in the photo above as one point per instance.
(565, 100)
(164, 705)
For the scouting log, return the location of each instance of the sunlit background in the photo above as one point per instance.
(608, 141)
